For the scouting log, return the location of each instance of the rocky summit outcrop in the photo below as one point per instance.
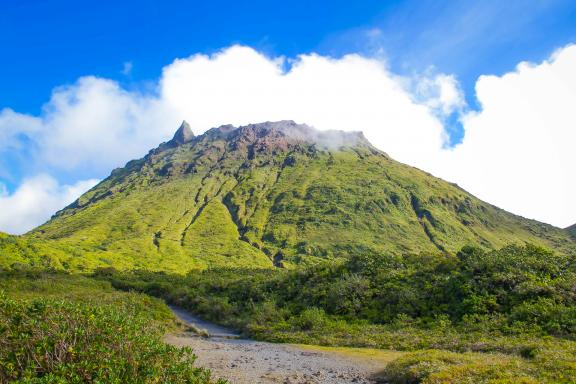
(184, 134)
(286, 134)
(272, 194)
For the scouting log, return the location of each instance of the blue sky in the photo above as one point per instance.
(50, 45)
(47, 44)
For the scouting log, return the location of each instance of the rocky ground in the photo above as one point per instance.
(247, 361)
(244, 361)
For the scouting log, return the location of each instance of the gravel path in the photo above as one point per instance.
(247, 361)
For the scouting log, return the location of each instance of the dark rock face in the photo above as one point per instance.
(285, 134)
(183, 135)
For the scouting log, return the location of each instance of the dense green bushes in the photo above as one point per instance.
(530, 287)
(87, 333)
(516, 305)
(506, 316)
(515, 290)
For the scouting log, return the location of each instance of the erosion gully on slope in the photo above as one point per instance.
(243, 361)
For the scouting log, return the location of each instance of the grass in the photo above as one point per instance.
(377, 355)
(444, 367)
(214, 238)
(432, 366)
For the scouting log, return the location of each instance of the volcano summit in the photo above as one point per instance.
(270, 194)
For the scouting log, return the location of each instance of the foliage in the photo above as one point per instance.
(518, 301)
(70, 329)
(517, 290)
(572, 230)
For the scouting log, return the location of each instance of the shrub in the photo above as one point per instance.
(554, 318)
(310, 319)
(443, 367)
(56, 341)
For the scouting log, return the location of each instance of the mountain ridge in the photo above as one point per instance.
(272, 194)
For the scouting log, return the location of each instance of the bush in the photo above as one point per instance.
(310, 319)
(442, 367)
(518, 301)
(554, 318)
(56, 341)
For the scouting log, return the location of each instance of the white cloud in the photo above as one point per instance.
(35, 200)
(241, 86)
(13, 124)
(518, 151)
(96, 124)
(515, 152)
(440, 92)
(93, 124)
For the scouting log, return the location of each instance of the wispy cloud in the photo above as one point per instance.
(35, 200)
(127, 68)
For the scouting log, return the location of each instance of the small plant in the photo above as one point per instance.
(529, 351)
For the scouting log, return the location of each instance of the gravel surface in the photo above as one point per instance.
(248, 361)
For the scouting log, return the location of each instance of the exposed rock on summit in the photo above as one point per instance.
(285, 135)
(184, 134)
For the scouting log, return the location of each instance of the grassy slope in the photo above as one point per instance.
(18, 251)
(77, 288)
(209, 203)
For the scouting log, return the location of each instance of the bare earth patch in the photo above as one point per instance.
(247, 361)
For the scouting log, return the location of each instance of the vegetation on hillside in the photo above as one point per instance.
(518, 302)
(57, 328)
(572, 230)
(270, 230)
(255, 197)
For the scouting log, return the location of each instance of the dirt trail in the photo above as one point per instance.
(243, 361)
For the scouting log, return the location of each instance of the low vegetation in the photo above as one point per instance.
(435, 367)
(514, 308)
(57, 328)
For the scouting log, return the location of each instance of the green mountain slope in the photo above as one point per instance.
(572, 230)
(270, 194)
